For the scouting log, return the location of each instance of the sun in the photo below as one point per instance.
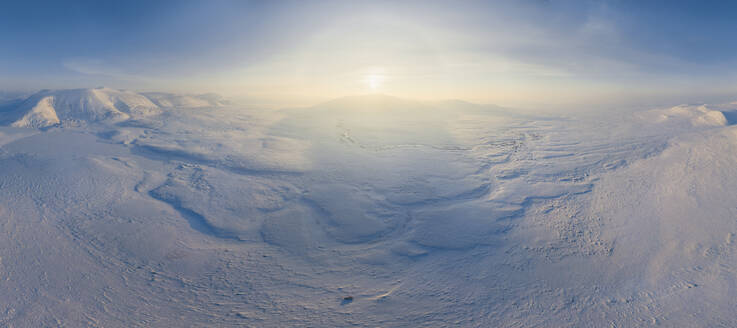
(374, 81)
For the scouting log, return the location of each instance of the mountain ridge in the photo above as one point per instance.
(53, 107)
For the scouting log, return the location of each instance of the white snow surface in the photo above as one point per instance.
(365, 211)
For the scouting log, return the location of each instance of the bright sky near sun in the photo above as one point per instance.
(520, 53)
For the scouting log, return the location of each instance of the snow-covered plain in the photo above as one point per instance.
(120, 209)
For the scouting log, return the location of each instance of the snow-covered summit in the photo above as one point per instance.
(50, 107)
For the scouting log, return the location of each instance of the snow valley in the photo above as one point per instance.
(122, 209)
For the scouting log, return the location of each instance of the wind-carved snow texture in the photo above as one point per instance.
(367, 211)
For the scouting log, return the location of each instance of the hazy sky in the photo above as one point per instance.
(519, 53)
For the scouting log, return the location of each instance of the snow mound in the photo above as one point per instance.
(51, 107)
(695, 115)
(169, 100)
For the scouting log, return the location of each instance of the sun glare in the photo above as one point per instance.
(374, 81)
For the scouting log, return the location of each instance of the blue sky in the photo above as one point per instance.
(508, 52)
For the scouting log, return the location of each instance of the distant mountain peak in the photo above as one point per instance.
(101, 104)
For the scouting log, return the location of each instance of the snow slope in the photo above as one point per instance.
(367, 211)
(42, 114)
(185, 101)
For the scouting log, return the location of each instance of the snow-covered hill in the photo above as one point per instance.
(51, 107)
(694, 115)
